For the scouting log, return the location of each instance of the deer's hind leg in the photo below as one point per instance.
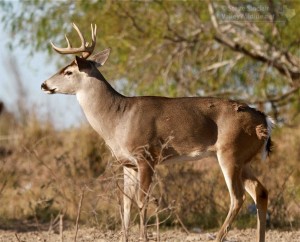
(232, 170)
(260, 196)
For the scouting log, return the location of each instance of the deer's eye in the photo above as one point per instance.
(68, 73)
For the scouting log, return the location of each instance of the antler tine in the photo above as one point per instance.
(85, 48)
(80, 35)
(94, 33)
(68, 42)
(90, 48)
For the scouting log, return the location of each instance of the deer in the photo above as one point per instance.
(135, 129)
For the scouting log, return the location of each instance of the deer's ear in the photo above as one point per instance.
(100, 58)
(82, 63)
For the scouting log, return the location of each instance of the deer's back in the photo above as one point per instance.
(179, 126)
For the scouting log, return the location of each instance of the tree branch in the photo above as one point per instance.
(268, 53)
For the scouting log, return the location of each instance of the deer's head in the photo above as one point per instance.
(73, 77)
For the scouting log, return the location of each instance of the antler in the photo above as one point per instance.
(85, 48)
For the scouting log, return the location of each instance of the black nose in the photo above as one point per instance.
(43, 86)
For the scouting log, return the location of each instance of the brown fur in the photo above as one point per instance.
(144, 131)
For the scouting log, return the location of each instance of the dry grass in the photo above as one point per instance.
(43, 172)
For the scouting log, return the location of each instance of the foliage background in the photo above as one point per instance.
(173, 48)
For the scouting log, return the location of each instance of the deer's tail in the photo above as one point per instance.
(268, 142)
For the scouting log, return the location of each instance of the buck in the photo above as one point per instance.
(141, 130)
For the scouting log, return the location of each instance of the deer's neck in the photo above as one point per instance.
(102, 106)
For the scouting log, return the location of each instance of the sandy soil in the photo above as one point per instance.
(95, 235)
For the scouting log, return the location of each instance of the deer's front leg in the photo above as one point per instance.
(130, 190)
(145, 178)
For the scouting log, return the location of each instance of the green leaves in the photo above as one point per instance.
(169, 47)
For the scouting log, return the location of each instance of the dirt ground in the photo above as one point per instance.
(96, 235)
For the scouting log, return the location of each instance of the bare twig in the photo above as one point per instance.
(157, 222)
(54, 222)
(213, 16)
(61, 227)
(222, 63)
(16, 235)
(78, 214)
(181, 223)
(275, 99)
